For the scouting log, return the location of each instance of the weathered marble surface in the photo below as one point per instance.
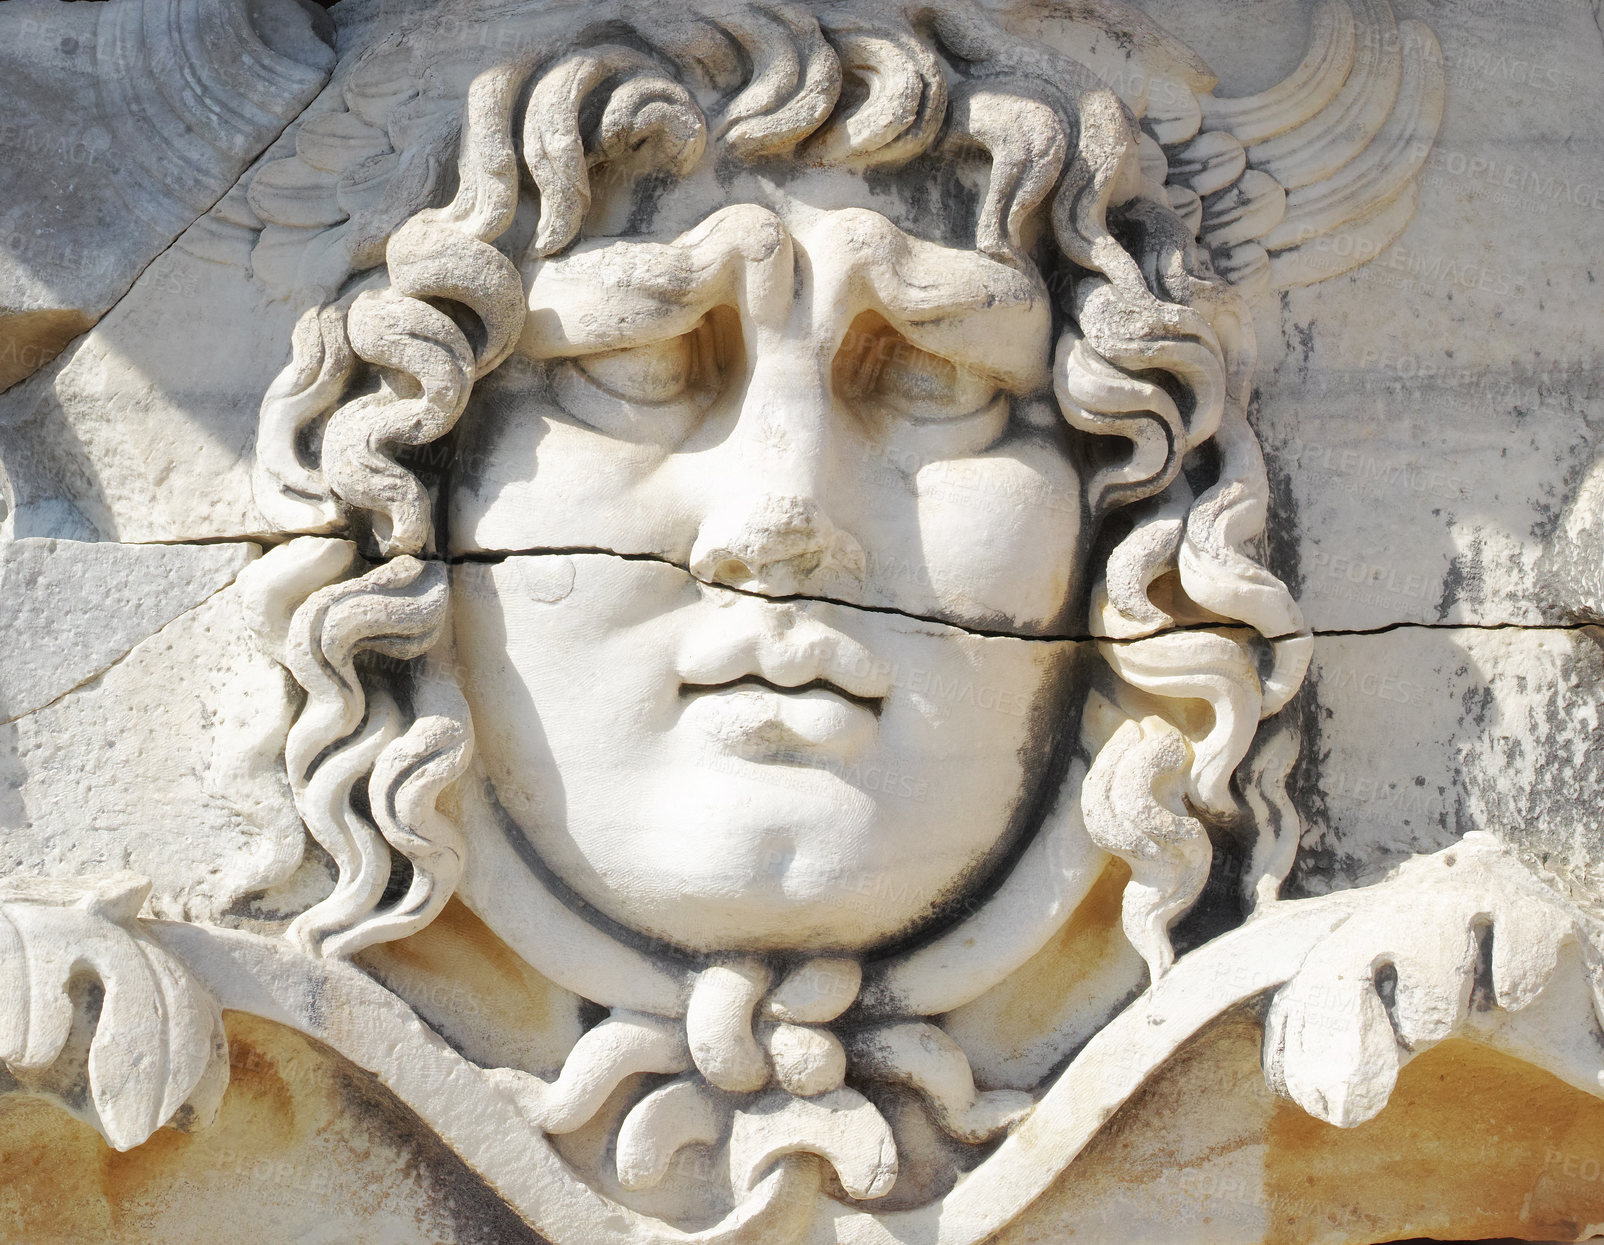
(1430, 426)
(1423, 733)
(121, 127)
(1467, 415)
(1487, 463)
(73, 609)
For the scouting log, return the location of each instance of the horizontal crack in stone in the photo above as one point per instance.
(494, 556)
(499, 555)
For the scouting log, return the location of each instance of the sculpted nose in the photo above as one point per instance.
(779, 545)
(769, 528)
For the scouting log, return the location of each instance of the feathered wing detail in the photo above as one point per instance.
(1319, 173)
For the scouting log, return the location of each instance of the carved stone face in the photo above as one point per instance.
(811, 409)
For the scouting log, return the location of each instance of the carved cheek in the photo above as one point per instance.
(1001, 535)
(528, 477)
(529, 629)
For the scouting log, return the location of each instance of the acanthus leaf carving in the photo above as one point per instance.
(1456, 944)
(158, 1045)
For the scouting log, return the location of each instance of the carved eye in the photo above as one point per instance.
(923, 386)
(893, 382)
(659, 372)
(655, 392)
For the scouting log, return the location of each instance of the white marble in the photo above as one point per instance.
(71, 609)
(108, 159)
(842, 623)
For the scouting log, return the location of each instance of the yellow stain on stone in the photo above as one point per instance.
(304, 1148)
(1180, 1162)
(473, 988)
(1473, 1144)
(1065, 988)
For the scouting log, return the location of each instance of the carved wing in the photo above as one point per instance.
(1317, 174)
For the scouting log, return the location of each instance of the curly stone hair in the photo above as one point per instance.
(416, 302)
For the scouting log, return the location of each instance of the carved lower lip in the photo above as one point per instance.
(760, 721)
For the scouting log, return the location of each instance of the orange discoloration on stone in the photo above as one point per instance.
(49, 1176)
(305, 1147)
(1180, 1162)
(1063, 989)
(1473, 1144)
(257, 1063)
(126, 1176)
(65, 1184)
(469, 985)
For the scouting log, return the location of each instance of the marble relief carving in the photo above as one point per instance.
(759, 519)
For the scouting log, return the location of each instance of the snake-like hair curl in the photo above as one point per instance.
(1201, 641)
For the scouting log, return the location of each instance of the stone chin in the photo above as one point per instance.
(792, 860)
(735, 863)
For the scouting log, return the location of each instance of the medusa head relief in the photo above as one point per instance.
(794, 317)
(767, 523)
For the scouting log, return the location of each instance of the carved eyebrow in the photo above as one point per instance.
(1007, 342)
(612, 294)
(956, 303)
(952, 302)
